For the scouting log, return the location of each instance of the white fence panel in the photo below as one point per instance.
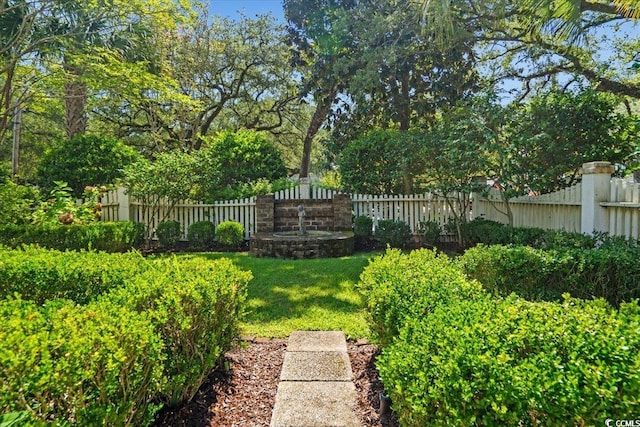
(624, 208)
(560, 210)
(411, 209)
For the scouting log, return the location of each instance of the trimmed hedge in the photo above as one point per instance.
(492, 362)
(400, 287)
(100, 236)
(41, 274)
(462, 356)
(79, 365)
(195, 306)
(393, 233)
(230, 234)
(148, 341)
(482, 231)
(611, 272)
(201, 234)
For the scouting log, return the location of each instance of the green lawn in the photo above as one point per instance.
(289, 295)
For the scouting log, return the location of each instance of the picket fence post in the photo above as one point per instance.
(596, 184)
(124, 206)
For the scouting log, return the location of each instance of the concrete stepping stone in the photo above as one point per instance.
(314, 404)
(315, 387)
(316, 366)
(317, 341)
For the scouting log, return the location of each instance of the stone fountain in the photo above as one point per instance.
(302, 228)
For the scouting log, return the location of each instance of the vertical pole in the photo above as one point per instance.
(305, 191)
(124, 205)
(596, 187)
(15, 152)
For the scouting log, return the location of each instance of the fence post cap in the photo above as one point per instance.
(597, 168)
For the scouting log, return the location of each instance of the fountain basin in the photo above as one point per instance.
(291, 244)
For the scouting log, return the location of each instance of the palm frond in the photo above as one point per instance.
(628, 8)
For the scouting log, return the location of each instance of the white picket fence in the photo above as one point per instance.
(560, 210)
(600, 203)
(615, 209)
(412, 209)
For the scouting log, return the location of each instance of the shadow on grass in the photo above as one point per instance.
(313, 294)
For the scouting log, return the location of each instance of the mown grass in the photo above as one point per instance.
(313, 294)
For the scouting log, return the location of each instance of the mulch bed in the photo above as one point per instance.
(245, 394)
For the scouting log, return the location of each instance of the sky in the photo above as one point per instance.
(230, 8)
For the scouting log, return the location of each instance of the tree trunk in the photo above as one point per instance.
(6, 100)
(75, 101)
(319, 116)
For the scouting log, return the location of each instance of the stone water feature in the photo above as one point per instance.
(302, 228)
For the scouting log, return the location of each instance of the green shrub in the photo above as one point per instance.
(399, 287)
(39, 274)
(230, 234)
(363, 226)
(482, 231)
(393, 233)
(17, 202)
(152, 338)
(196, 308)
(169, 233)
(82, 365)
(102, 236)
(84, 160)
(201, 234)
(611, 272)
(494, 362)
(429, 232)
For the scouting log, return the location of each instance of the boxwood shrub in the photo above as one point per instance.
(230, 234)
(169, 233)
(393, 233)
(398, 287)
(493, 362)
(201, 234)
(455, 354)
(41, 274)
(125, 350)
(611, 271)
(195, 307)
(482, 231)
(101, 236)
(78, 365)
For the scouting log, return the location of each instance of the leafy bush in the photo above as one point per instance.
(201, 234)
(196, 308)
(363, 226)
(611, 271)
(61, 207)
(151, 340)
(393, 233)
(399, 287)
(39, 275)
(230, 234)
(169, 233)
(482, 231)
(453, 354)
(429, 231)
(102, 236)
(84, 160)
(86, 365)
(498, 362)
(16, 202)
(237, 164)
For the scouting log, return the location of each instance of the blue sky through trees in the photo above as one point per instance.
(249, 8)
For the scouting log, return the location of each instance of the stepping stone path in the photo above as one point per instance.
(315, 387)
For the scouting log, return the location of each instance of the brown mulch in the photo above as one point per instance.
(244, 396)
